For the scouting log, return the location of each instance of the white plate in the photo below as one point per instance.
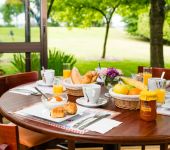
(124, 97)
(41, 83)
(83, 102)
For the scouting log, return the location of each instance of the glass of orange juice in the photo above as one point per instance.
(159, 85)
(147, 73)
(66, 70)
(57, 86)
(160, 95)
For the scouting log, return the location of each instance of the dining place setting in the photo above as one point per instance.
(54, 108)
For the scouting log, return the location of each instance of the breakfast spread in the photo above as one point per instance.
(89, 77)
(61, 111)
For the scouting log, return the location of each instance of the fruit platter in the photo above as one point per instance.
(126, 93)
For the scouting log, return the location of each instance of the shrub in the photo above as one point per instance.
(55, 61)
(2, 72)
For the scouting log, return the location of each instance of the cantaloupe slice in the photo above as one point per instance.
(76, 76)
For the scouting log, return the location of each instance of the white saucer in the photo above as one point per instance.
(42, 83)
(83, 102)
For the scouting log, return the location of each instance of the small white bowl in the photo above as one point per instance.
(53, 103)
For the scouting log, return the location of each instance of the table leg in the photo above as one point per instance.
(163, 146)
(71, 145)
(111, 147)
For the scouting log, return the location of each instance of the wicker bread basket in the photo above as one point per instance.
(74, 92)
(73, 89)
(130, 102)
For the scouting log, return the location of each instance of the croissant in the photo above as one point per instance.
(70, 108)
(89, 77)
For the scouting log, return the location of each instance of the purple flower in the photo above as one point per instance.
(112, 73)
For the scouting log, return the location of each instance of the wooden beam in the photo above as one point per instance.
(20, 47)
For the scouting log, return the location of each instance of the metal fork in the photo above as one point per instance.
(78, 124)
(27, 91)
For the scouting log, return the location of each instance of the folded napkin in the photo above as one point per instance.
(163, 111)
(103, 125)
(25, 90)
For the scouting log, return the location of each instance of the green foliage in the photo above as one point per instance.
(10, 9)
(143, 26)
(55, 61)
(131, 23)
(19, 62)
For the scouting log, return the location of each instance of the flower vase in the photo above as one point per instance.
(110, 82)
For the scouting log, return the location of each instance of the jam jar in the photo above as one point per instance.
(148, 105)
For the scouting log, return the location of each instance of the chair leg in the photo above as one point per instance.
(163, 146)
(1, 118)
(143, 147)
(71, 145)
(111, 147)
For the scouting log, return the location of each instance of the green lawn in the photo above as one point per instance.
(123, 51)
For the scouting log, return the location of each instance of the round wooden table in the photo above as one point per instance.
(133, 130)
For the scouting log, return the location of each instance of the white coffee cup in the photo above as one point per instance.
(92, 93)
(156, 83)
(48, 76)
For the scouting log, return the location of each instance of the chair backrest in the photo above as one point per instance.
(157, 72)
(3, 86)
(9, 135)
(21, 78)
(140, 69)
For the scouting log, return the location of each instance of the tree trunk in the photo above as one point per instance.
(105, 39)
(157, 17)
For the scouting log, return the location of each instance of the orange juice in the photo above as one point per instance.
(57, 89)
(146, 76)
(66, 73)
(160, 95)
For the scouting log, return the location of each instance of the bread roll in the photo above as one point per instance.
(57, 112)
(70, 108)
(75, 76)
(94, 78)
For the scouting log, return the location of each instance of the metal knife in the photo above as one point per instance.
(93, 121)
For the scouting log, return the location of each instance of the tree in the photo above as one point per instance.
(84, 13)
(11, 8)
(157, 17)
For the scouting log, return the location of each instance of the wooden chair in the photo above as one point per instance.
(21, 78)
(3, 89)
(157, 72)
(9, 136)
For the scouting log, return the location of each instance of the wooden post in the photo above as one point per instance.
(27, 35)
(43, 34)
